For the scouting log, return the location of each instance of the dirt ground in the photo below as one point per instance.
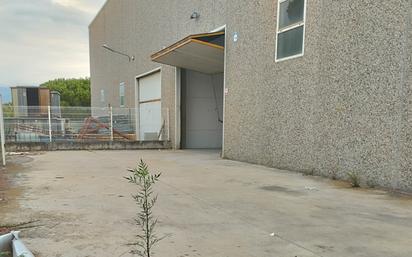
(81, 205)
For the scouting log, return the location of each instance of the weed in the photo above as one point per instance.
(146, 200)
(5, 254)
(370, 184)
(310, 172)
(333, 174)
(354, 178)
(6, 228)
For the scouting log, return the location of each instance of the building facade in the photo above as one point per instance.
(316, 86)
(34, 101)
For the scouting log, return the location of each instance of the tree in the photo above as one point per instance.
(73, 92)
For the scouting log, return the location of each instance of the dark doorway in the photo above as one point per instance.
(202, 110)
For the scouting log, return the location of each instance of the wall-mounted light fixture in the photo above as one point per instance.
(195, 16)
(131, 57)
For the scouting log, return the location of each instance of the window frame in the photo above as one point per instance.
(288, 28)
(122, 85)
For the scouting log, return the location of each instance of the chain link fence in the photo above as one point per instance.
(89, 124)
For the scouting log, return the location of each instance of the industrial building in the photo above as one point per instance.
(35, 101)
(322, 87)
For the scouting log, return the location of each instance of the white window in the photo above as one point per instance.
(290, 29)
(102, 96)
(122, 94)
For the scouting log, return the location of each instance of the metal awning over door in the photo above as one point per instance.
(200, 52)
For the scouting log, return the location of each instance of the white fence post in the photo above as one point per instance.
(111, 123)
(136, 122)
(50, 125)
(2, 137)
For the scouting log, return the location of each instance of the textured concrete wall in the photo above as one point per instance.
(361, 93)
(406, 168)
(269, 106)
(345, 106)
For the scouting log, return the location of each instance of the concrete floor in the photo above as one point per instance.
(207, 207)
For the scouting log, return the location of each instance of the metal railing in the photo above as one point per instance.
(65, 124)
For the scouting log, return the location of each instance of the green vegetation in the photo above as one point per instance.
(309, 172)
(8, 111)
(73, 92)
(333, 174)
(6, 228)
(354, 179)
(5, 254)
(146, 200)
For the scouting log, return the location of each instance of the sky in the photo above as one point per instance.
(42, 40)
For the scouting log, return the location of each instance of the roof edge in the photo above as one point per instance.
(185, 41)
(99, 12)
